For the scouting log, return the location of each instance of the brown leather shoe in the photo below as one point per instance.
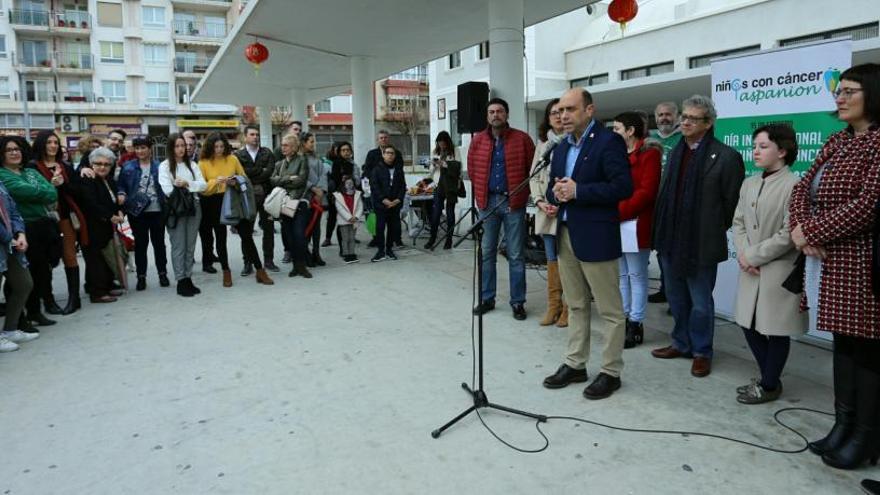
(668, 352)
(227, 278)
(701, 367)
(263, 278)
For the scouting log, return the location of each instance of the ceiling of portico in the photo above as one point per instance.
(311, 43)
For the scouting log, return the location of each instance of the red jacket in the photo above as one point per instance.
(518, 152)
(645, 168)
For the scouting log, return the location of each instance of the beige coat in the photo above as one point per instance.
(538, 188)
(761, 231)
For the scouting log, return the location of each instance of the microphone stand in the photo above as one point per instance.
(478, 395)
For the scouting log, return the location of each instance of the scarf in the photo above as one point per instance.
(677, 233)
(47, 173)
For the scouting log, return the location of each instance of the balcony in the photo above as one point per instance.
(187, 67)
(34, 63)
(189, 32)
(74, 97)
(74, 63)
(71, 23)
(203, 5)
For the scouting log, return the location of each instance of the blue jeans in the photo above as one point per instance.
(693, 308)
(634, 284)
(515, 232)
(550, 246)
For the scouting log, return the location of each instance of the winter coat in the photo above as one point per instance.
(343, 214)
(842, 221)
(644, 164)
(761, 233)
(384, 187)
(258, 171)
(292, 175)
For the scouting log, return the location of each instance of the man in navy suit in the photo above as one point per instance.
(589, 176)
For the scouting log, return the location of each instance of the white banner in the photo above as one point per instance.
(794, 80)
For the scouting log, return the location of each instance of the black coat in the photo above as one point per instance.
(98, 206)
(450, 176)
(260, 170)
(374, 157)
(383, 187)
(341, 168)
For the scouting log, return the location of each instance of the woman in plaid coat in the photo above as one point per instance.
(832, 220)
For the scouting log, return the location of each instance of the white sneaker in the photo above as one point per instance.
(17, 336)
(7, 345)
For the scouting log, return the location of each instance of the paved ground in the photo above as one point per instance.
(332, 385)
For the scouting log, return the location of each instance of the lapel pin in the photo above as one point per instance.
(713, 156)
(591, 135)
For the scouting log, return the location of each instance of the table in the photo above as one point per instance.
(416, 214)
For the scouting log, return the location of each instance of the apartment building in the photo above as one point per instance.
(88, 66)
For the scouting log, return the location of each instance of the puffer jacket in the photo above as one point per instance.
(519, 149)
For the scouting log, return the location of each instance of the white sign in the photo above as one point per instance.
(789, 80)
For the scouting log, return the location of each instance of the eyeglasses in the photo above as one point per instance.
(692, 119)
(100, 164)
(13, 150)
(845, 93)
(555, 113)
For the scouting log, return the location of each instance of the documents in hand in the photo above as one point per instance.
(629, 241)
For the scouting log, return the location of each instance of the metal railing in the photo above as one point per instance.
(197, 65)
(67, 19)
(74, 60)
(214, 30)
(35, 60)
(74, 97)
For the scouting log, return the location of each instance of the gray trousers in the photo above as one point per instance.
(346, 239)
(18, 287)
(183, 243)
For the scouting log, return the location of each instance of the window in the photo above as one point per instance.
(37, 90)
(11, 121)
(860, 32)
(454, 60)
(706, 60)
(154, 16)
(215, 27)
(2, 46)
(111, 52)
(155, 54)
(81, 87)
(157, 92)
(76, 15)
(42, 121)
(322, 106)
(589, 81)
(113, 90)
(109, 14)
(483, 52)
(185, 24)
(35, 53)
(4, 88)
(183, 93)
(651, 70)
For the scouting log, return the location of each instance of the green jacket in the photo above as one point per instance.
(33, 194)
(292, 175)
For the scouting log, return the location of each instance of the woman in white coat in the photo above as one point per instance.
(768, 313)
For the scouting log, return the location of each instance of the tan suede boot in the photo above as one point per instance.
(562, 322)
(227, 278)
(554, 294)
(263, 277)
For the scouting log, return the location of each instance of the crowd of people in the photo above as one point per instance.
(808, 247)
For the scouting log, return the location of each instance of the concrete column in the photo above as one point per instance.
(506, 57)
(265, 114)
(362, 108)
(298, 105)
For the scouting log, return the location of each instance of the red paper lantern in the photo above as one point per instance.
(623, 11)
(256, 53)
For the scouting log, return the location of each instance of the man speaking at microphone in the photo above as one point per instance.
(589, 175)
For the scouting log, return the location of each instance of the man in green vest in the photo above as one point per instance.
(667, 134)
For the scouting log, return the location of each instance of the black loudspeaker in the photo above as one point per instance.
(472, 100)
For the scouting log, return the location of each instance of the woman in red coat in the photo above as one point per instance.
(645, 167)
(833, 218)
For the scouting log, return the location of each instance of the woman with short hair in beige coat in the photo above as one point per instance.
(768, 313)
(550, 131)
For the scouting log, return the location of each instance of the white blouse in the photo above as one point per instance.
(195, 181)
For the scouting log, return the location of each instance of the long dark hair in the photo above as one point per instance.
(22, 145)
(172, 158)
(40, 143)
(303, 139)
(544, 127)
(868, 75)
(445, 138)
(208, 148)
(339, 146)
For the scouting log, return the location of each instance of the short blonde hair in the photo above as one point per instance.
(292, 138)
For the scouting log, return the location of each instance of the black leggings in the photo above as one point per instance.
(331, 217)
(771, 353)
(248, 246)
(42, 236)
(210, 227)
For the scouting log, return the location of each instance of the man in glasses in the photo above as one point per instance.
(695, 207)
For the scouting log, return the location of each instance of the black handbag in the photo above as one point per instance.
(794, 283)
(136, 204)
(180, 204)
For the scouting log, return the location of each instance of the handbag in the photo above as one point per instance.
(275, 201)
(136, 204)
(794, 283)
(462, 192)
(180, 204)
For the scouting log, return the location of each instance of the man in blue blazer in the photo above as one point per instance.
(589, 176)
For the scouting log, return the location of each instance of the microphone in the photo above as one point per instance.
(553, 141)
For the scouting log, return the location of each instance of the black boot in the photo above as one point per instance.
(447, 244)
(862, 444)
(871, 487)
(39, 318)
(195, 290)
(183, 289)
(301, 270)
(73, 300)
(844, 406)
(51, 306)
(635, 334)
(432, 240)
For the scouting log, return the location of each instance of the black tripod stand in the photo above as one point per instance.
(480, 400)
